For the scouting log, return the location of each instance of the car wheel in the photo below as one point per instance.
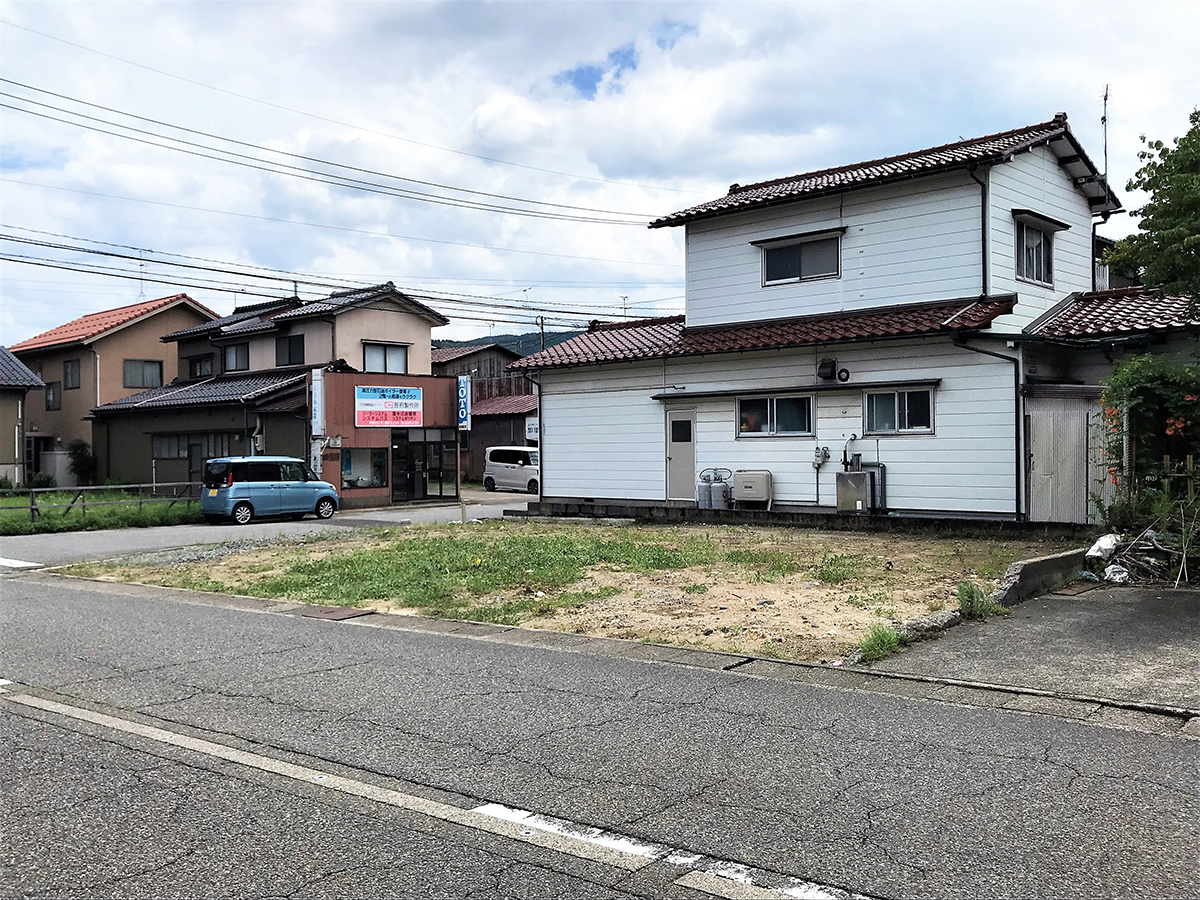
(489, 484)
(533, 486)
(243, 513)
(325, 508)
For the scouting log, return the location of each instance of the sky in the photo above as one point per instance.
(501, 160)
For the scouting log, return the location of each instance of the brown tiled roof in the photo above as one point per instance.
(449, 354)
(992, 148)
(1129, 310)
(520, 405)
(659, 338)
(91, 326)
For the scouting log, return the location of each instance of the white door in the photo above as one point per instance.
(1061, 472)
(681, 454)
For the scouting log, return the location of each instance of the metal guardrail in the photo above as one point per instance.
(186, 492)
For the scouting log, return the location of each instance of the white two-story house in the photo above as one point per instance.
(879, 317)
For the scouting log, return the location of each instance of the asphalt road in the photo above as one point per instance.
(162, 744)
(76, 546)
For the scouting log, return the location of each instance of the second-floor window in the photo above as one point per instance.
(289, 350)
(237, 357)
(389, 358)
(1035, 254)
(70, 374)
(200, 366)
(142, 373)
(801, 259)
(53, 395)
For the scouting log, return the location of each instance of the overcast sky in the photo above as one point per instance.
(620, 111)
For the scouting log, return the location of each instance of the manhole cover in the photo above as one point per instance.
(335, 612)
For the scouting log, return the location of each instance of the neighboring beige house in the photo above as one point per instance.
(93, 360)
(16, 380)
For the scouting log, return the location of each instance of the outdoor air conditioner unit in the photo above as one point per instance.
(752, 486)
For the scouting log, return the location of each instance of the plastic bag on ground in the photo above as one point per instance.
(1117, 574)
(1104, 547)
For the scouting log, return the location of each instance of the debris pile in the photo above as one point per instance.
(1151, 556)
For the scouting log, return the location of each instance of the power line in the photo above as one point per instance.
(295, 172)
(340, 228)
(390, 136)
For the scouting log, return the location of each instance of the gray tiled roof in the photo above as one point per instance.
(226, 389)
(244, 316)
(990, 149)
(15, 374)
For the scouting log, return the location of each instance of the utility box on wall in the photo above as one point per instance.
(752, 486)
(856, 492)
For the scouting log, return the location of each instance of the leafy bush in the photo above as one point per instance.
(82, 462)
(880, 641)
(42, 480)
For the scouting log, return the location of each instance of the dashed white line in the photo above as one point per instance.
(718, 878)
(18, 564)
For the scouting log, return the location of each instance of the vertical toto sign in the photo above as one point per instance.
(387, 407)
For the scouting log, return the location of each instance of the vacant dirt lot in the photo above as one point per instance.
(776, 592)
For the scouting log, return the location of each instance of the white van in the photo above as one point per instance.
(512, 469)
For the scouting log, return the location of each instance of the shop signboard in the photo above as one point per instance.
(387, 407)
(464, 402)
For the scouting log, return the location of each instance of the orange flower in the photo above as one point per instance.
(1190, 397)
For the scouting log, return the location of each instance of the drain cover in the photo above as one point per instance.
(335, 612)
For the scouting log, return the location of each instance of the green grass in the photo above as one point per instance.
(880, 641)
(14, 513)
(516, 611)
(766, 565)
(974, 603)
(835, 568)
(696, 589)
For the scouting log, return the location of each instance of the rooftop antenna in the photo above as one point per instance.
(295, 290)
(1104, 128)
(141, 275)
(625, 306)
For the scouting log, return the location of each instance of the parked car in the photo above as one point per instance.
(512, 469)
(243, 488)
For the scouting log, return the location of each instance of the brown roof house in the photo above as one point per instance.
(916, 335)
(95, 359)
(16, 380)
(298, 378)
(503, 403)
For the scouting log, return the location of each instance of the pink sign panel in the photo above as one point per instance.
(387, 407)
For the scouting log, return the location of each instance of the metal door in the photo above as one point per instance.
(681, 454)
(1061, 471)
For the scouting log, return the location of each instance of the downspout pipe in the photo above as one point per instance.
(983, 228)
(960, 342)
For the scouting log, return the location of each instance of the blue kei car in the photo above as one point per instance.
(243, 488)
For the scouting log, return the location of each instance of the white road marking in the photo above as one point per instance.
(18, 564)
(718, 878)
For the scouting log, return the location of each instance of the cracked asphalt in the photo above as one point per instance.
(880, 793)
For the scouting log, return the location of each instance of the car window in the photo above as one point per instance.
(291, 472)
(310, 475)
(263, 471)
(522, 458)
(214, 474)
(239, 473)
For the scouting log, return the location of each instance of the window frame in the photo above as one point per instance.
(71, 366)
(897, 431)
(195, 362)
(126, 381)
(53, 396)
(285, 350)
(772, 417)
(796, 240)
(1047, 253)
(225, 367)
(385, 346)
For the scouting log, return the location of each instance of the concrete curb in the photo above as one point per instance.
(1031, 577)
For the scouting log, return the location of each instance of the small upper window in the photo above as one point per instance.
(289, 350)
(200, 366)
(801, 260)
(774, 415)
(388, 358)
(1035, 254)
(237, 357)
(142, 373)
(53, 395)
(70, 374)
(898, 412)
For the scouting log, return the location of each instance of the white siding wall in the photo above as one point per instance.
(904, 243)
(1036, 181)
(603, 436)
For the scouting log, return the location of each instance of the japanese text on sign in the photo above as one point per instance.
(387, 407)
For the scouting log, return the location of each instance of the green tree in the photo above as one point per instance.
(1166, 248)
